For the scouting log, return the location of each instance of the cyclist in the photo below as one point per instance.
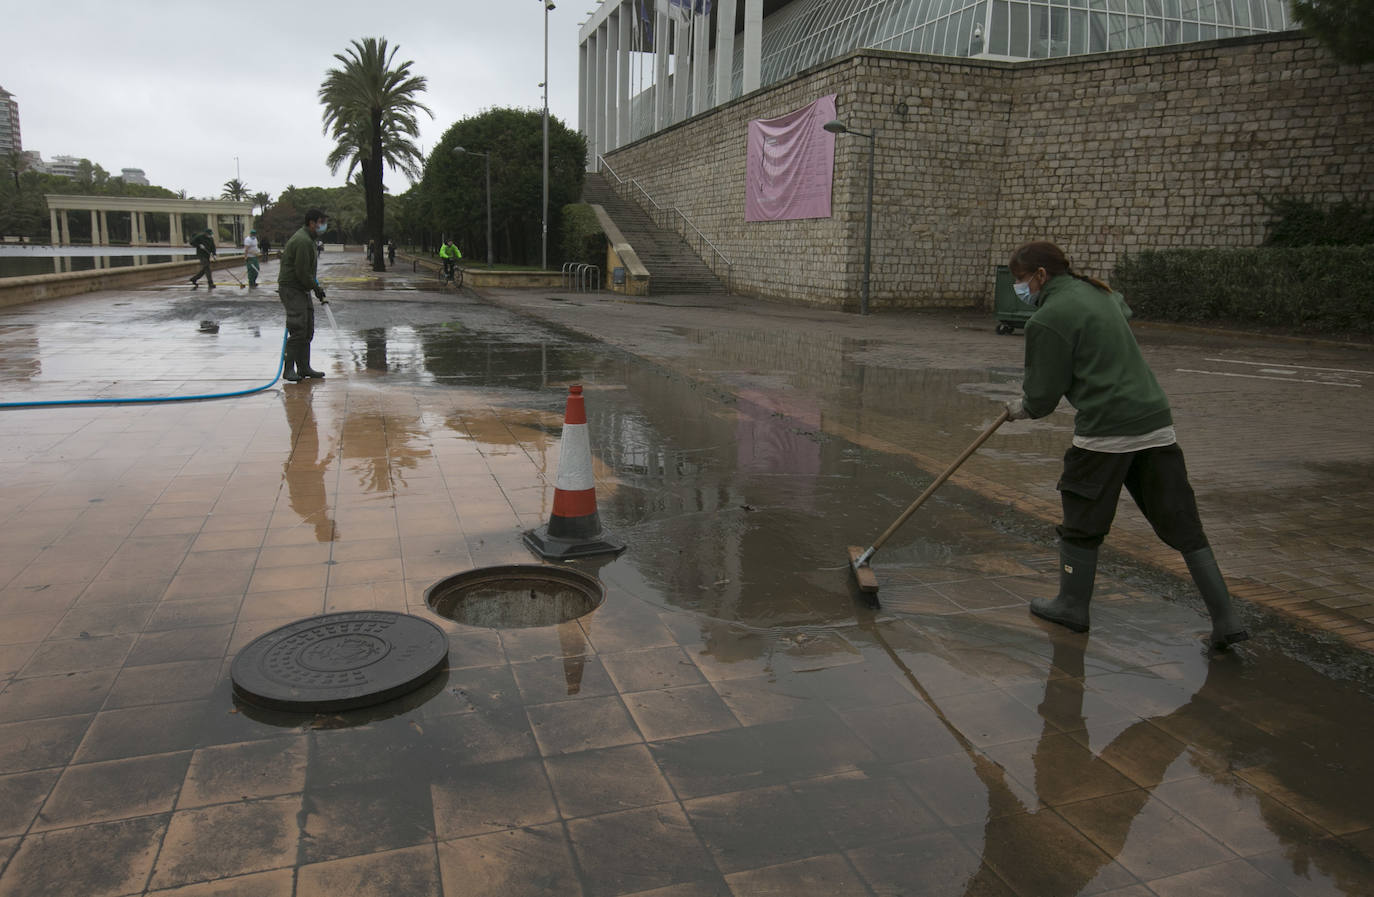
(451, 255)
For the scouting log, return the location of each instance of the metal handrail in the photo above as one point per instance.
(636, 185)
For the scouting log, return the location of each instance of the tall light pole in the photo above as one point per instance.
(487, 158)
(544, 256)
(838, 127)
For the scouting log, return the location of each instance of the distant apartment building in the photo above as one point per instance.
(134, 176)
(65, 166)
(10, 140)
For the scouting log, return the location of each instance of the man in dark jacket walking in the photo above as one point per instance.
(205, 251)
(295, 282)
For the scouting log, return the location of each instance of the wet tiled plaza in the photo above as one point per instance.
(733, 720)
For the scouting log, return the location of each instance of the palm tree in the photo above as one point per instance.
(263, 201)
(369, 113)
(235, 189)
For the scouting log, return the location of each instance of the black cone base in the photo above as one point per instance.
(555, 548)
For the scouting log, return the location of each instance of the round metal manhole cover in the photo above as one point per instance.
(339, 661)
(517, 596)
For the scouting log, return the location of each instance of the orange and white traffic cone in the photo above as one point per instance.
(574, 528)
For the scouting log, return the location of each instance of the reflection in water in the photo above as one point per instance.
(573, 645)
(19, 355)
(303, 469)
(1025, 841)
(384, 445)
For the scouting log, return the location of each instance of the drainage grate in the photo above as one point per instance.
(517, 596)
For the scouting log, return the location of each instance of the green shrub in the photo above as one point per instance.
(1301, 222)
(583, 240)
(1313, 289)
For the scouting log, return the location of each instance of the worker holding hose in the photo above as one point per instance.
(295, 282)
(1079, 346)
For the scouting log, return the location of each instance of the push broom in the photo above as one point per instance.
(859, 558)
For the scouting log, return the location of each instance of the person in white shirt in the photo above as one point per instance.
(250, 255)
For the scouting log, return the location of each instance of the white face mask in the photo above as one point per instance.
(1023, 292)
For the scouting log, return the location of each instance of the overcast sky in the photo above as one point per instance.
(180, 88)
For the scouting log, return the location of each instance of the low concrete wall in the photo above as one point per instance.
(37, 287)
(620, 254)
(477, 276)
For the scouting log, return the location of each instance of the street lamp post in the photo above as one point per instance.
(487, 158)
(838, 127)
(544, 257)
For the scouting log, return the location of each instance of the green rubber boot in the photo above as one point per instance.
(1226, 626)
(1077, 569)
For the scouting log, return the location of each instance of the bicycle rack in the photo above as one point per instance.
(581, 277)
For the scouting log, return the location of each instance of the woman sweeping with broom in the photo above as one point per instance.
(1079, 346)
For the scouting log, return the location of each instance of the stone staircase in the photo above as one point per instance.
(674, 267)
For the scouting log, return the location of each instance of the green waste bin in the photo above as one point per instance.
(1011, 312)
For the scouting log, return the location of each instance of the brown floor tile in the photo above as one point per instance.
(530, 862)
(1058, 769)
(12, 660)
(769, 700)
(151, 558)
(279, 579)
(227, 540)
(712, 887)
(1246, 821)
(677, 712)
(244, 771)
(822, 876)
(637, 850)
(412, 871)
(963, 790)
(41, 600)
(280, 605)
(38, 744)
(1221, 880)
(105, 860)
(653, 668)
(1328, 800)
(21, 794)
(582, 725)
(164, 683)
(104, 619)
(231, 839)
(561, 679)
(20, 629)
(607, 781)
(1327, 868)
(176, 645)
(609, 633)
(78, 655)
(51, 696)
(1039, 853)
(1147, 837)
(208, 585)
(294, 555)
(902, 732)
(279, 883)
(389, 596)
(366, 549)
(156, 729)
(761, 827)
(929, 864)
(860, 808)
(991, 718)
(478, 800)
(366, 817)
(194, 612)
(123, 592)
(101, 792)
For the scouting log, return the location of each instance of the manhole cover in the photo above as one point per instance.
(339, 661)
(516, 596)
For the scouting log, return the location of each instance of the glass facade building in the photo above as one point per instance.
(808, 32)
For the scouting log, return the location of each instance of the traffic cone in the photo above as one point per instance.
(574, 528)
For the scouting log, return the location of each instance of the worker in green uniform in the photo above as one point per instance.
(205, 251)
(1079, 346)
(295, 282)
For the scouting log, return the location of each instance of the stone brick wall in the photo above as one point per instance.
(1166, 147)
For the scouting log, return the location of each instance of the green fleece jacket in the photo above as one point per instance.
(1080, 346)
(298, 262)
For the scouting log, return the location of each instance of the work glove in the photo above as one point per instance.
(319, 294)
(1016, 410)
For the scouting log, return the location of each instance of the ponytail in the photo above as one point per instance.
(1043, 254)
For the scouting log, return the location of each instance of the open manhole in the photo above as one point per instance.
(517, 596)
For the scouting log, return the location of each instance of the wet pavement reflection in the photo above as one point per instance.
(734, 719)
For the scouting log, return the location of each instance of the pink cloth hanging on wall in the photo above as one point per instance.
(791, 163)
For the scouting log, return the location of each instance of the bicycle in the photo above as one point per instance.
(453, 274)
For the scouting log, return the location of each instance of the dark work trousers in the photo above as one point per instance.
(300, 319)
(1156, 478)
(204, 272)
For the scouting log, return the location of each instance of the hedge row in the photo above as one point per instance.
(1311, 289)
